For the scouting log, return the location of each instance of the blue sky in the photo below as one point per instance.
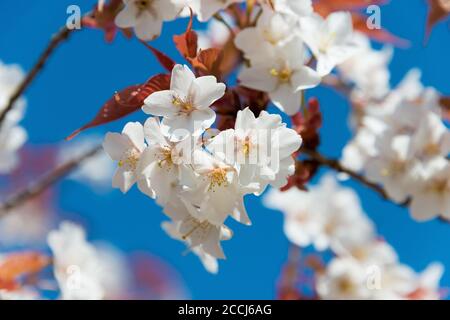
(84, 73)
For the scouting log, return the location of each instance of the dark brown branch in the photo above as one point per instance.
(37, 188)
(59, 37)
(335, 165)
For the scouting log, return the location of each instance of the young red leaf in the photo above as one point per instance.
(103, 17)
(19, 264)
(187, 43)
(163, 59)
(380, 35)
(126, 101)
(208, 62)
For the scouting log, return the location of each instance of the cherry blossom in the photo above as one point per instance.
(205, 9)
(12, 136)
(330, 40)
(282, 73)
(256, 162)
(325, 216)
(126, 148)
(146, 16)
(185, 108)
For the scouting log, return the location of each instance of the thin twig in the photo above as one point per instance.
(37, 188)
(59, 37)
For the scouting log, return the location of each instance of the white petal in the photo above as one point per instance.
(127, 17)
(160, 104)
(206, 91)
(286, 99)
(182, 78)
(135, 132)
(115, 145)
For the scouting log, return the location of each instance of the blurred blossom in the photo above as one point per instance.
(12, 136)
(96, 171)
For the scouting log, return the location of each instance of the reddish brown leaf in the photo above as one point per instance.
(186, 43)
(103, 18)
(208, 62)
(20, 264)
(325, 7)
(127, 101)
(445, 104)
(438, 10)
(307, 124)
(163, 59)
(380, 35)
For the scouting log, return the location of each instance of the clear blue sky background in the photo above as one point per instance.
(86, 71)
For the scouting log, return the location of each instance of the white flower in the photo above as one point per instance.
(14, 232)
(368, 69)
(327, 216)
(432, 138)
(11, 140)
(298, 8)
(185, 108)
(431, 194)
(126, 149)
(201, 237)
(146, 16)
(163, 161)
(272, 29)
(344, 279)
(76, 265)
(97, 171)
(215, 193)
(205, 9)
(261, 149)
(392, 165)
(12, 136)
(330, 40)
(281, 72)
(427, 283)
(85, 271)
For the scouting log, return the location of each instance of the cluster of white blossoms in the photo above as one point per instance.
(279, 62)
(199, 178)
(364, 267)
(403, 143)
(85, 271)
(12, 136)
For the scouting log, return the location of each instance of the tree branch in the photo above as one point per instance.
(37, 188)
(335, 165)
(59, 37)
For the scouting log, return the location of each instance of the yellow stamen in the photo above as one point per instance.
(284, 75)
(218, 177)
(185, 106)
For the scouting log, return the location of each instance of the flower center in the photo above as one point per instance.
(130, 160)
(394, 168)
(165, 158)
(432, 149)
(185, 106)
(284, 75)
(345, 285)
(143, 4)
(439, 186)
(218, 178)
